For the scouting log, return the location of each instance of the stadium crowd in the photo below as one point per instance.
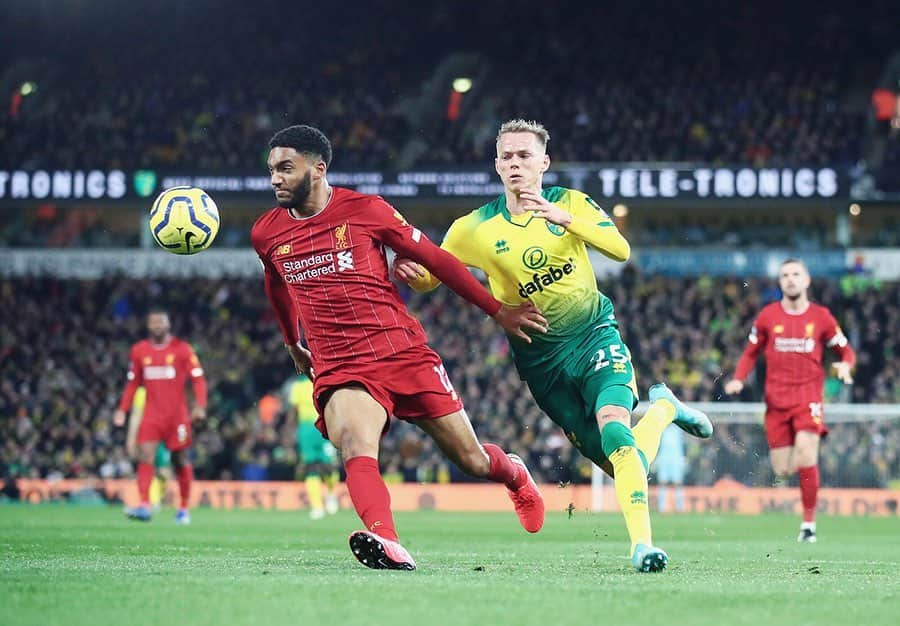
(64, 345)
(667, 88)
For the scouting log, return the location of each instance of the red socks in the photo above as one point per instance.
(809, 491)
(502, 469)
(370, 496)
(185, 475)
(144, 478)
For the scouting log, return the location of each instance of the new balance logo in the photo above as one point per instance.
(345, 260)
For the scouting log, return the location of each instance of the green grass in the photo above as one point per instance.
(69, 565)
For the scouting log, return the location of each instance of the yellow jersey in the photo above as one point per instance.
(525, 257)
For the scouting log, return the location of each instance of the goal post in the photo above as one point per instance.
(845, 419)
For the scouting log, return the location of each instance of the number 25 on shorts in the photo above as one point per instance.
(617, 354)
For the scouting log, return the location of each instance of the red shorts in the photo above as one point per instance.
(782, 425)
(410, 385)
(175, 433)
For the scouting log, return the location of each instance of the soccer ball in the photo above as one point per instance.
(184, 220)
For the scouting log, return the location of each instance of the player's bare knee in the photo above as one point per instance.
(806, 458)
(353, 444)
(608, 415)
(782, 469)
(147, 453)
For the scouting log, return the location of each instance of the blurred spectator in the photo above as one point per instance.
(10, 491)
(62, 362)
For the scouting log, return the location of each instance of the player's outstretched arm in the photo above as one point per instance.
(409, 242)
(414, 275)
(450, 270)
(755, 343)
(837, 341)
(422, 280)
(599, 232)
(457, 242)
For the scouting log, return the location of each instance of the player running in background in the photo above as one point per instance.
(531, 243)
(323, 250)
(162, 463)
(316, 453)
(671, 465)
(792, 334)
(162, 364)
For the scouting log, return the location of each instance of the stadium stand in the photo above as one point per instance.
(65, 344)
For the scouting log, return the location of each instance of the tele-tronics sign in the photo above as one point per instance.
(63, 184)
(625, 181)
(723, 183)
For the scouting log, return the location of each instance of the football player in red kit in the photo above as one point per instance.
(162, 364)
(326, 276)
(793, 333)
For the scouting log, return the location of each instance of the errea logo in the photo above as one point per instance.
(500, 246)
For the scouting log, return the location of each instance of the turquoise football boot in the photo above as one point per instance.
(689, 420)
(649, 559)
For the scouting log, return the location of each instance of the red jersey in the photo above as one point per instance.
(794, 344)
(328, 273)
(163, 371)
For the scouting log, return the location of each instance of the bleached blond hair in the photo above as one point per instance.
(525, 126)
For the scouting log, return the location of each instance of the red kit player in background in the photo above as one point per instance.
(792, 334)
(162, 364)
(323, 250)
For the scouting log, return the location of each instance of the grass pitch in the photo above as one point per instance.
(73, 566)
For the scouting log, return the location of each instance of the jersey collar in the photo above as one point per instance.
(522, 220)
(800, 312)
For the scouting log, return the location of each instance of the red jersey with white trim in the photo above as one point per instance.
(329, 272)
(793, 344)
(163, 371)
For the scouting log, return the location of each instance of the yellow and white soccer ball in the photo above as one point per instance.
(184, 220)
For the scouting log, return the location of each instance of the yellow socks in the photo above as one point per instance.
(631, 481)
(649, 430)
(314, 493)
(157, 491)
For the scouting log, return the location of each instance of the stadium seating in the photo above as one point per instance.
(666, 89)
(65, 345)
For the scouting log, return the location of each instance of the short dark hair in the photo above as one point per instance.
(305, 140)
(795, 260)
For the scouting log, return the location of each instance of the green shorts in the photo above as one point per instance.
(163, 456)
(591, 373)
(313, 447)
